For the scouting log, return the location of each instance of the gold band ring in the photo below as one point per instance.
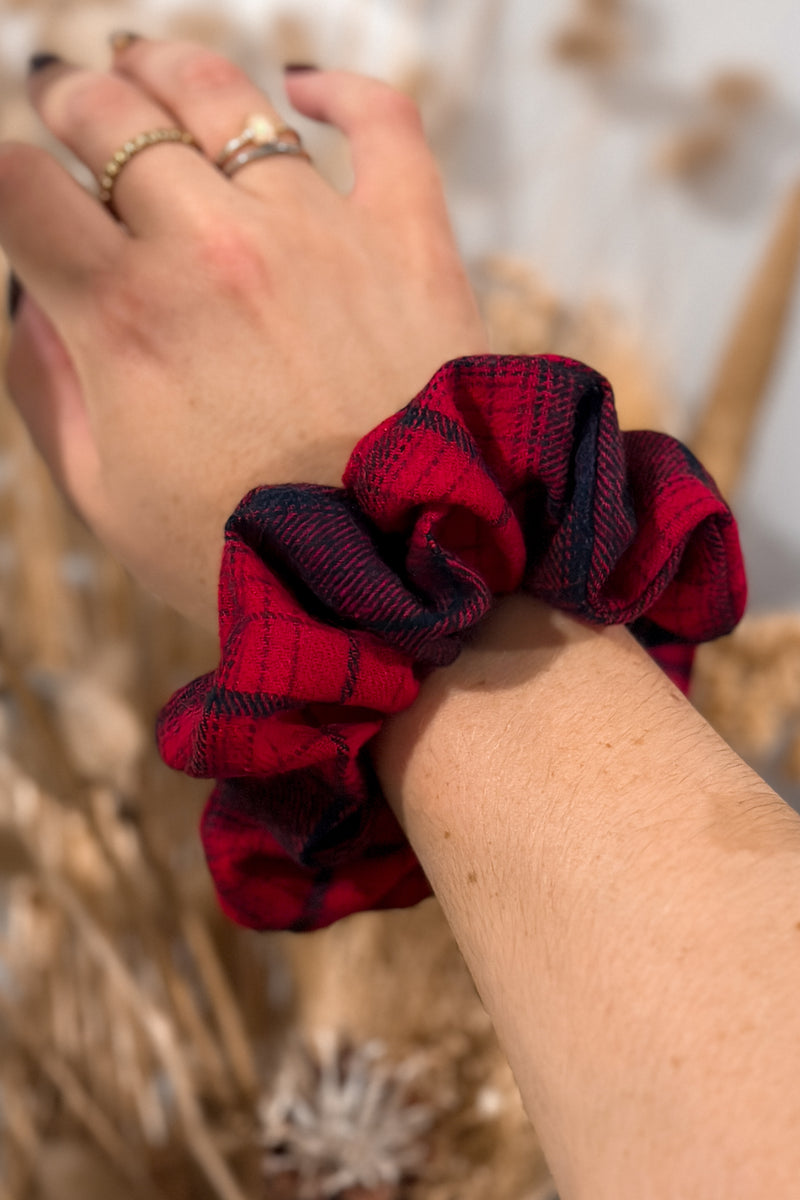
(107, 180)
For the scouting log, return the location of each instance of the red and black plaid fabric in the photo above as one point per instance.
(503, 474)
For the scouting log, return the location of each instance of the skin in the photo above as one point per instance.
(626, 894)
(222, 333)
(624, 890)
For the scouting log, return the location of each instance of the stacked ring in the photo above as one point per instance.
(258, 131)
(268, 150)
(110, 173)
(262, 137)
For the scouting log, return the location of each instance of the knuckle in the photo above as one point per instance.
(229, 257)
(73, 101)
(202, 70)
(397, 107)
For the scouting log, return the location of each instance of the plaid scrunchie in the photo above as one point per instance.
(504, 473)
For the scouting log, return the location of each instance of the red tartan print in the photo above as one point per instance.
(505, 473)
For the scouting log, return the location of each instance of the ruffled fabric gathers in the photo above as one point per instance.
(505, 473)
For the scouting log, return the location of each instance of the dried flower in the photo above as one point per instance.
(342, 1117)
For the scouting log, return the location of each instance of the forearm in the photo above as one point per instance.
(627, 896)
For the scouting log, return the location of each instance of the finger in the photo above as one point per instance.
(56, 236)
(394, 169)
(97, 113)
(214, 98)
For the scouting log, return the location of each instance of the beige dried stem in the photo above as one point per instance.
(43, 730)
(160, 1033)
(21, 1143)
(145, 876)
(51, 609)
(146, 893)
(724, 431)
(26, 798)
(77, 1100)
(229, 1019)
(219, 993)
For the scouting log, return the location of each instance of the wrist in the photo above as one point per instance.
(529, 691)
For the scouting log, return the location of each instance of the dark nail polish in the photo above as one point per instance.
(13, 295)
(121, 39)
(298, 68)
(39, 61)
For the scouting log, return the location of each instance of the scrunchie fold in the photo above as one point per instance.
(504, 473)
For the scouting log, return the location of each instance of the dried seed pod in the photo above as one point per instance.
(737, 91)
(695, 151)
(589, 44)
(103, 736)
(598, 35)
(340, 1116)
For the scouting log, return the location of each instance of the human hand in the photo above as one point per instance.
(224, 333)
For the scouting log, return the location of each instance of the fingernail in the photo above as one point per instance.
(121, 39)
(13, 295)
(37, 62)
(298, 68)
